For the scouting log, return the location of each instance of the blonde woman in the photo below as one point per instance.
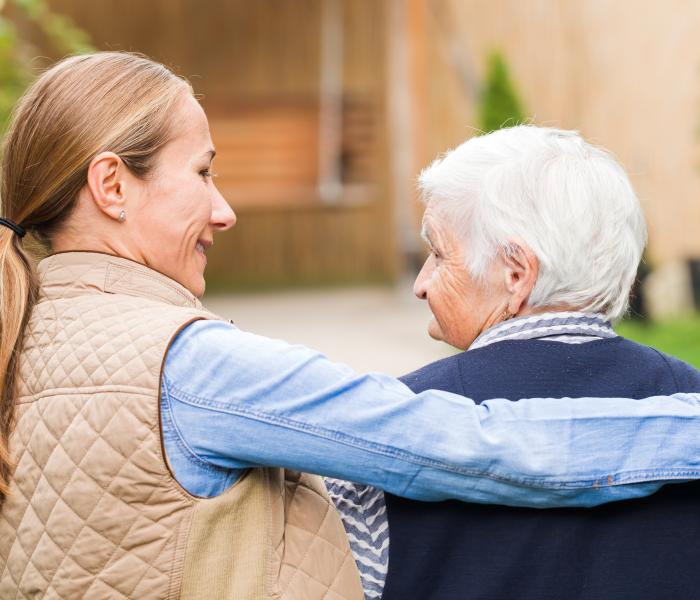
(142, 437)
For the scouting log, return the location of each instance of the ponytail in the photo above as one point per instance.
(80, 107)
(18, 289)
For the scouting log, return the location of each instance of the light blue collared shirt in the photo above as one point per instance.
(233, 400)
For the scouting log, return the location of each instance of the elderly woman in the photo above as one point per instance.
(132, 419)
(535, 237)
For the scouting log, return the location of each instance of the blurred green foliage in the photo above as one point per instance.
(679, 337)
(17, 67)
(499, 102)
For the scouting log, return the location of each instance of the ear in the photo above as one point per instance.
(106, 182)
(521, 270)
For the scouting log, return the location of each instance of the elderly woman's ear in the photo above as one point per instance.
(521, 268)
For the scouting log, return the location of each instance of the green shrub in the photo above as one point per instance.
(17, 55)
(499, 102)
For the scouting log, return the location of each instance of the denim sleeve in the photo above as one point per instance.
(241, 400)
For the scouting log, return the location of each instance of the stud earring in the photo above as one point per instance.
(122, 216)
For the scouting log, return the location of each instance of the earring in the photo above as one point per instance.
(122, 216)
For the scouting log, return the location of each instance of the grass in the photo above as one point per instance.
(679, 337)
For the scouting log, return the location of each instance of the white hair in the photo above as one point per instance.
(570, 202)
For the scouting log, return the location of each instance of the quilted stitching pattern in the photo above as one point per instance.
(92, 511)
(314, 556)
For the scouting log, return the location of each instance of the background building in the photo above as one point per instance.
(324, 111)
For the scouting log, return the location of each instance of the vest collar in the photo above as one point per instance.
(71, 274)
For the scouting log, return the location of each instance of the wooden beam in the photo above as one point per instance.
(407, 110)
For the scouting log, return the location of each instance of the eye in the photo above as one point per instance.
(206, 172)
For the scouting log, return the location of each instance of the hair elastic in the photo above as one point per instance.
(20, 231)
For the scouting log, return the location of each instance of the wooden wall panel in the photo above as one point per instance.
(624, 73)
(239, 53)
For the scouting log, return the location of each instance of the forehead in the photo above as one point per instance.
(191, 126)
(433, 224)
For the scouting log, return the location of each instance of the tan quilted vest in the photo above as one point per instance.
(93, 510)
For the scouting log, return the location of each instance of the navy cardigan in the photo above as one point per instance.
(639, 549)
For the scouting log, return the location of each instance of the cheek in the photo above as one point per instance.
(169, 235)
(458, 305)
(183, 196)
(440, 296)
(188, 216)
(447, 288)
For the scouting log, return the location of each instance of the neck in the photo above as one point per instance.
(64, 242)
(528, 311)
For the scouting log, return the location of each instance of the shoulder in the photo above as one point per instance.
(686, 376)
(209, 355)
(648, 363)
(443, 375)
(481, 371)
(221, 340)
(532, 368)
(206, 345)
(202, 332)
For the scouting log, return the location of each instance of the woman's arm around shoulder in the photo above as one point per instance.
(241, 400)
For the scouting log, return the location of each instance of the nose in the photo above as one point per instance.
(222, 215)
(420, 286)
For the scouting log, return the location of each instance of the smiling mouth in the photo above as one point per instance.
(202, 246)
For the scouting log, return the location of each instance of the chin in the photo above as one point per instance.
(198, 290)
(435, 332)
(195, 285)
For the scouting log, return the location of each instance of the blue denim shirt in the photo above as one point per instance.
(363, 509)
(232, 400)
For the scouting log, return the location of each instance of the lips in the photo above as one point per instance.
(202, 246)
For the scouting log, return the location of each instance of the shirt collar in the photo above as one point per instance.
(546, 325)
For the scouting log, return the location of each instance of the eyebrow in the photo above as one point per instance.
(212, 154)
(425, 233)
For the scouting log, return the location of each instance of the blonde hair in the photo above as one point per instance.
(83, 105)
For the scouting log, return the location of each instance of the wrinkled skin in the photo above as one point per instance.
(462, 306)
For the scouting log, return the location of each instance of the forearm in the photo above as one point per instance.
(312, 415)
